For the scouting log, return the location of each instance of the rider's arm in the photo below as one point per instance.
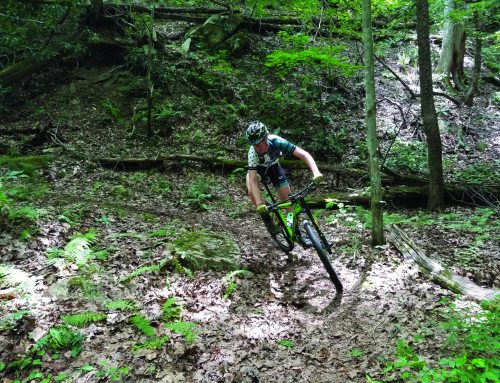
(253, 187)
(307, 158)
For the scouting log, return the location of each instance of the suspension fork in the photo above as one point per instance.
(306, 209)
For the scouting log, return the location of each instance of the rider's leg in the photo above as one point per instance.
(284, 192)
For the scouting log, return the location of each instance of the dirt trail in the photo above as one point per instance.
(270, 330)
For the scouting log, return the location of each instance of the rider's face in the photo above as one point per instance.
(262, 146)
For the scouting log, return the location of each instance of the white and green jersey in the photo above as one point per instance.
(278, 147)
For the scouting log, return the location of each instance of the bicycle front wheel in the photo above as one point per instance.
(277, 230)
(323, 255)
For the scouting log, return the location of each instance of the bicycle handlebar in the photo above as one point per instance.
(295, 196)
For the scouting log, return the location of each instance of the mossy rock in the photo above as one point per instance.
(204, 250)
(213, 32)
(235, 44)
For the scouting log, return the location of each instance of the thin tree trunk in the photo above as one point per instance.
(476, 75)
(434, 147)
(151, 30)
(451, 60)
(371, 126)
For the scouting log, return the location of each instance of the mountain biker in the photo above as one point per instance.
(263, 164)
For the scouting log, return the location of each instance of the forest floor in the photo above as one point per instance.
(272, 328)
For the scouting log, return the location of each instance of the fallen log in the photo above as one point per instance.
(415, 196)
(434, 270)
(21, 69)
(223, 164)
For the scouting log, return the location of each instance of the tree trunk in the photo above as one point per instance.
(371, 127)
(451, 60)
(431, 128)
(476, 75)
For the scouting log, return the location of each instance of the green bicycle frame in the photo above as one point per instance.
(298, 206)
(292, 231)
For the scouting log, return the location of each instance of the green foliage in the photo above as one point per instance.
(25, 214)
(83, 319)
(405, 157)
(72, 214)
(200, 192)
(152, 344)
(16, 279)
(161, 186)
(140, 271)
(481, 222)
(186, 329)
(25, 164)
(165, 112)
(77, 250)
(356, 352)
(89, 289)
(17, 186)
(328, 57)
(142, 324)
(111, 374)
(10, 321)
(472, 350)
(60, 338)
(122, 305)
(285, 343)
(171, 311)
(169, 230)
(112, 109)
(480, 173)
(232, 282)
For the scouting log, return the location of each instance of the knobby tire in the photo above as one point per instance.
(323, 255)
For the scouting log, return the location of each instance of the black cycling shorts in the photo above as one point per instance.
(274, 173)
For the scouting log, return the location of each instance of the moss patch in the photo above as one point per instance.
(204, 250)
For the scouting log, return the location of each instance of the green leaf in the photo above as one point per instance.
(356, 352)
(285, 343)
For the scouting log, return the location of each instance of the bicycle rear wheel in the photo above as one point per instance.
(323, 255)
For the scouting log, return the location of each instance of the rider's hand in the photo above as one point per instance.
(261, 209)
(317, 180)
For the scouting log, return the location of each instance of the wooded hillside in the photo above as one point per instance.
(130, 250)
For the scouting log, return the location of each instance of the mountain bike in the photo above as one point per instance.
(286, 232)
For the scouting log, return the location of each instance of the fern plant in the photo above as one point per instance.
(143, 325)
(152, 344)
(231, 280)
(83, 319)
(60, 338)
(77, 250)
(123, 305)
(171, 311)
(140, 271)
(186, 329)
